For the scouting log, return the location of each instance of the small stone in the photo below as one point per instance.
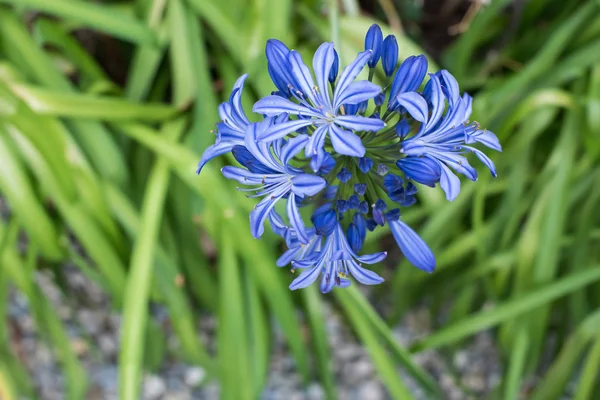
(108, 345)
(194, 376)
(358, 371)
(178, 396)
(315, 392)
(79, 346)
(91, 320)
(461, 360)
(476, 382)
(371, 391)
(154, 387)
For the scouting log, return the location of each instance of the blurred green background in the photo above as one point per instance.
(106, 106)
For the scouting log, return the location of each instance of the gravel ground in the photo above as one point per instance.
(93, 327)
(471, 372)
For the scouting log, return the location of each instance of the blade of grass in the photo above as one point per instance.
(508, 310)
(384, 366)
(71, 105)
(135, 313)
(232, 346)
(314, 309)
(93, 15)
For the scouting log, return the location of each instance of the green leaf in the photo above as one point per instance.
(93, 15)
(508, 310)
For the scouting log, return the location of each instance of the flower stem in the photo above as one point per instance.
(334, 21)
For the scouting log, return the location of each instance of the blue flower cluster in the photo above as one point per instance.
(351, 149)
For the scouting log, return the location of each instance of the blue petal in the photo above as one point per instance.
(244, 157)
(437, 101)
(345, 142)
(235, 99)
(275, 105)
(484, 159)
(306, 278)
(488, 139)
(357, 92)
(279, 131)
(412, 246)
(450, 86)
(307, 185)
(323, 62)
(260, 150)
(349, 74)
(214, 151)
(260, 213)
(372, 258)
(292, 148)
(316, 141)
(243, 176)
(302, 75)
(296, 219)
(358, 123)
(279, 66)
(415, 104)
(449, 183)
(363, 275)
(328, 279)
(287, 257)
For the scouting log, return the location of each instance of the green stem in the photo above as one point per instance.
(334, 21)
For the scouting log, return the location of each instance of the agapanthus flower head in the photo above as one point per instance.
(350, 151)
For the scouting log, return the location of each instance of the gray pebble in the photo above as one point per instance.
(371, 390)
(154, 387)
(194, 376)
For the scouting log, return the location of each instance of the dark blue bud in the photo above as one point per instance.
(325, 222)
(362, 106)
(359, 221)
(375, 115)
(408, 201)
(392, 215)
(327, 165)
(411, 189)
(371, 224)
(389, 58)
(408, 78)
(360, 188)
(353, 202)
(342, 206)
(244, 157)
(363, 207)
(379, 99)
(365, 164)
(380, 205)
(421, 169)
(402, 128)
(354, 239)
(392, 183)
(330, 192)
(397, 196)
(334, 67)
(344, 175)
(351, 109)
(373, 41)
(382, 169)
(378, 217)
